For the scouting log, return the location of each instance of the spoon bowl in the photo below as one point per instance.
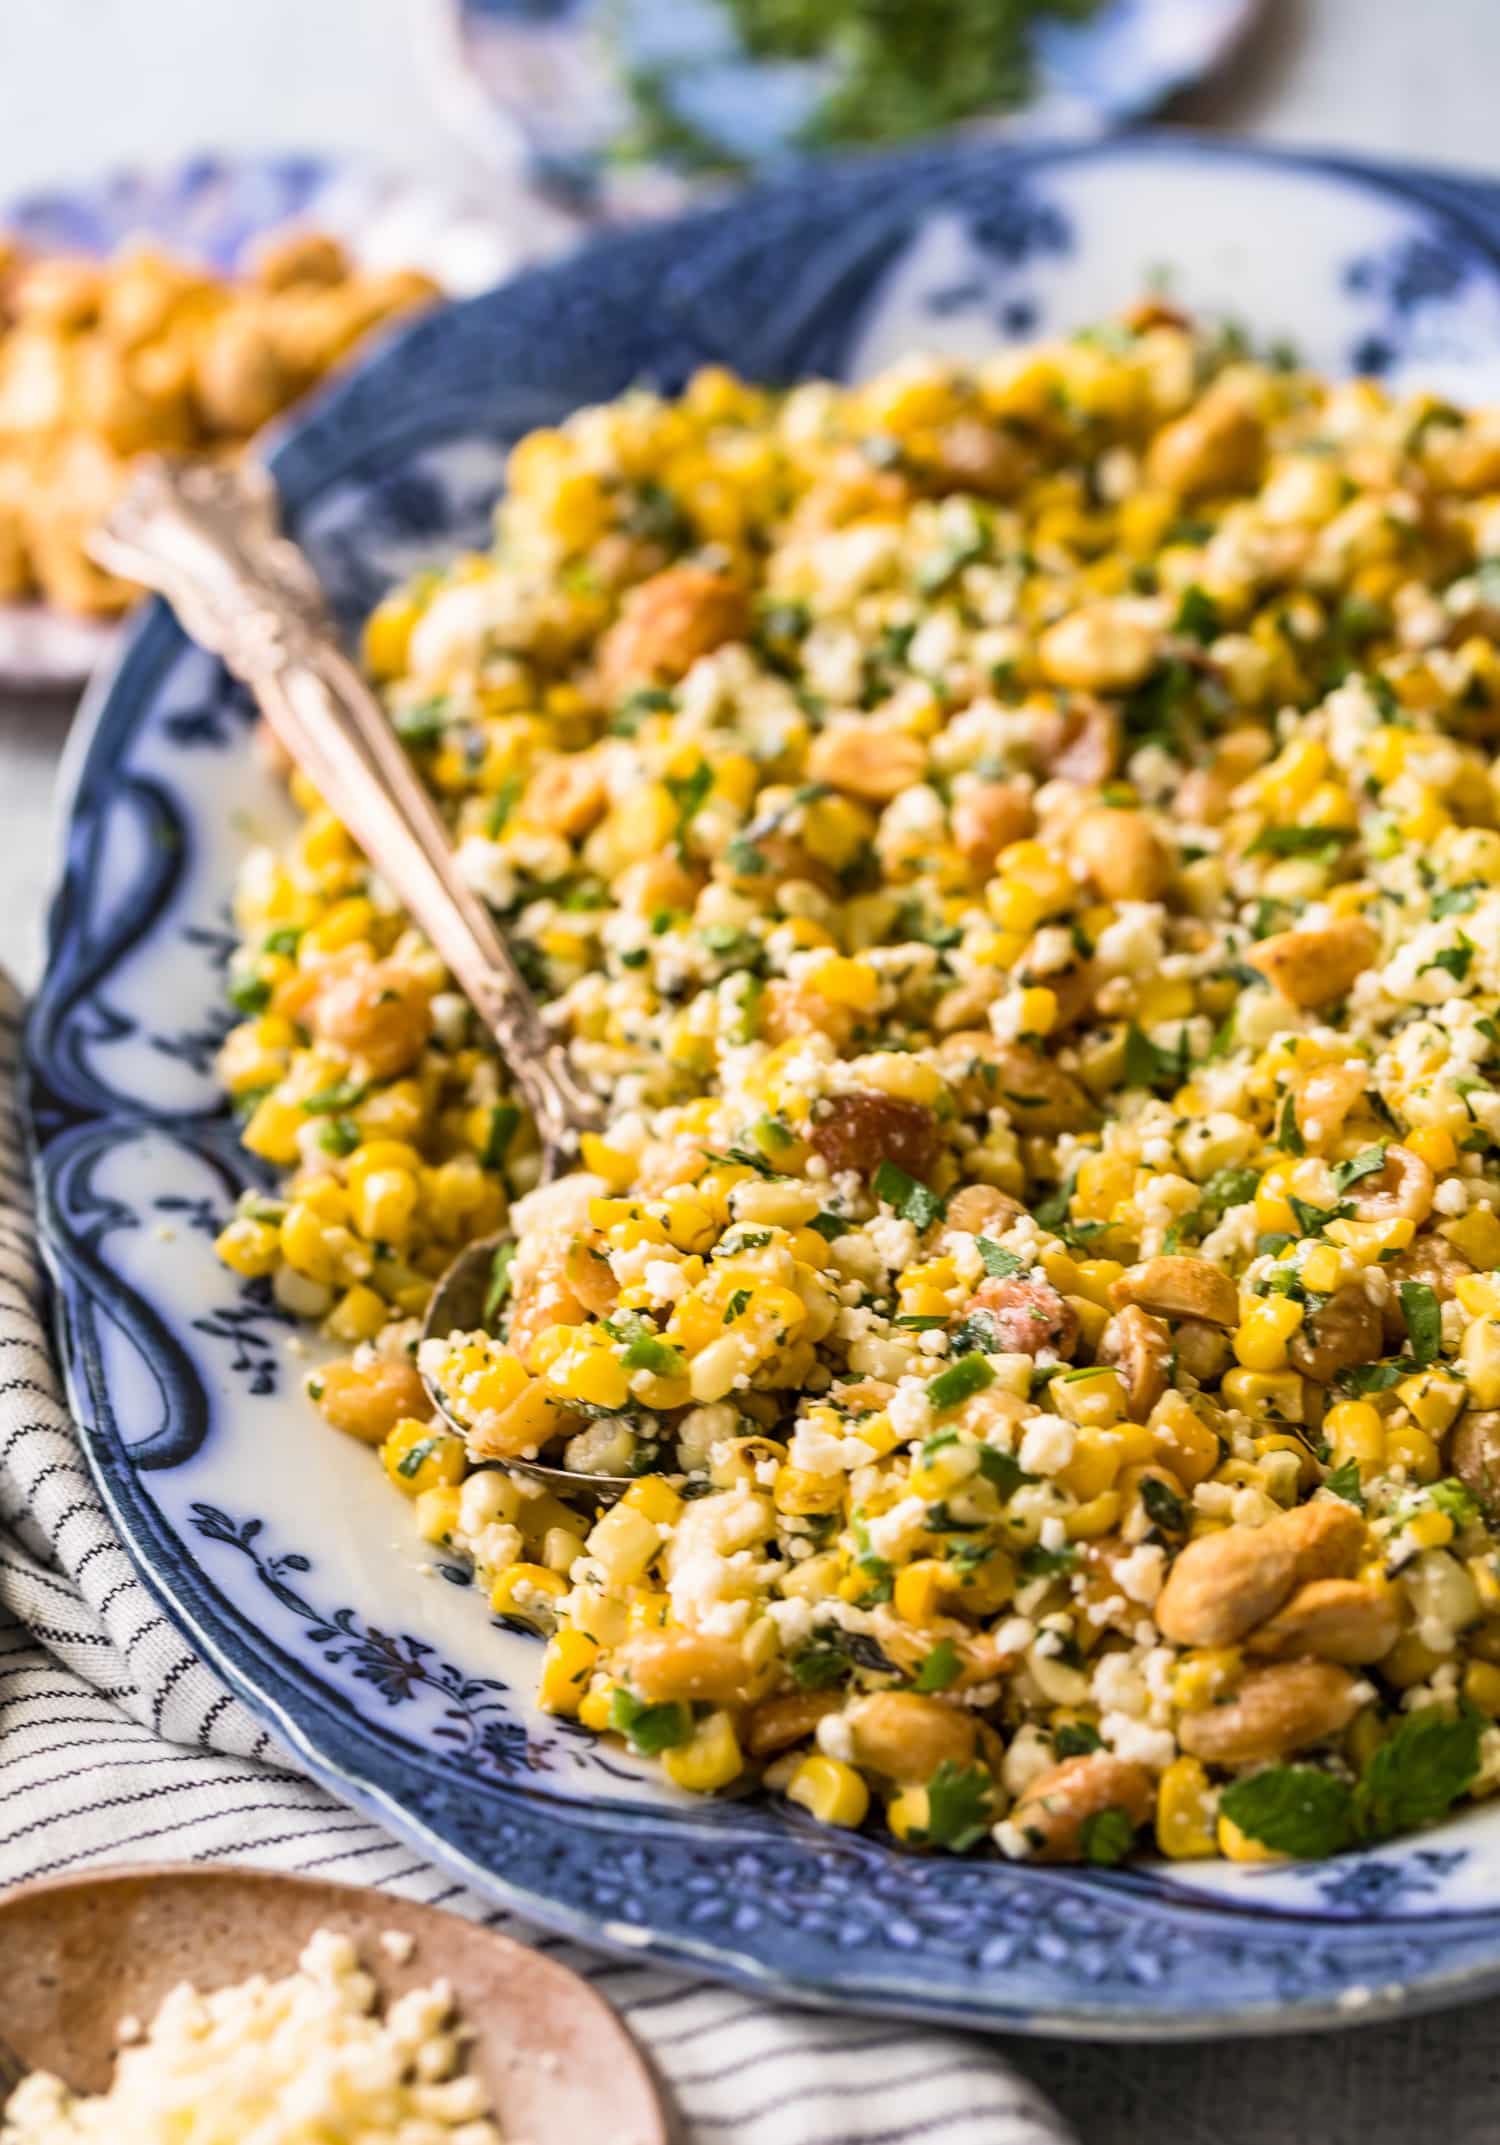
(79, 1954)
(460, 1304)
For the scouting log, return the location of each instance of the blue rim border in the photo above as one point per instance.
(1373, 1975)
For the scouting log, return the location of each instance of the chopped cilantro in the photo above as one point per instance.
(1197, 615)
(1453, 960)
(737, 1306)
(818, 1667)
(960, 1807)
(998, 1262)
(1000, 1469)
(1039, 1563)
(1076, 1739)
(1106, 1836)
(940, 1669)
(1311, 1220)
(1424, 1320)
(415, 1457)
(1147, 1064)
(1288, 1134)
(1345, 1482)
(1367, 1163)
(911, 1199)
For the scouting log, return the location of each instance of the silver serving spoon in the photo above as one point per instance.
(205, 536)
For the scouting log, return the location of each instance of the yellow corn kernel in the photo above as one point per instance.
(1322, 1269)
(387, 635)
(611, 1163)
(919, 1589)
(1486, 1582)
(1098, 1456)
(1354, 1431)
(1093, 1279)
(417, 1457)
(1260, 1343)
(1476, 1234)
(798, 1490)
(559, 1549)
(1479, 1294)
(529, 1592)
(1267, 1396)
(943, 1469)
(1015, 907)
(625, 1544)
(831, 1792)
(250, 1247)
(1180, 1440)
(655, 1499)
(1432, 1399)
(1481, 1686)
(846, 982)
(1410, 1662)
(306, 1243)
(1086, 1522)
(1370, 1240)
(1436, 1147)
(567, 1665)
(1408, 1445)
(358, 1315)
(272, 1131)
(1186, 1812)
(1160, 998)
(1204, 1675)
(385, 1205)
(379, 1154)
(1429, 1530)
(1481, 1361)
(437, 1512)
(588, 1372)
(1093, 1398)
(709, 1760)
(345, 924)
(1237, 1846)
(1038, 1010)
(648, 1611)
(1273, 1210)
(596, 1706)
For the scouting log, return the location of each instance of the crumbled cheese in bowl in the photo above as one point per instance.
(307, 2060)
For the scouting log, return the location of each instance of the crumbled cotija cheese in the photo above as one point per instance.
(302, 2061)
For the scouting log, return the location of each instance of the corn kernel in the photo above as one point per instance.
(1481, 1686)
(437, 1512)
(1237, 1846)
(251, 1248)
(1261, 1341)
(1409, 1446)
(709, 1760)
(358, 1315)
(1429, 1530)
(1038, 1010)
(567, 1665)
(655, 1499)
(625, 1543)
(1479, 1294)
(611, 1163)
(1322, 1269)
(1477, 1235)
(1267, 1396)
(830, 1791)
(846, 982)
(529, 1592)
(1086, 1522)
(919, 1589)
(596, 1706)
(417, 1457)
(1205, 1675)
(1185, 1812)
(1433, 1145)
(1481, 1362)
(1432, 1399)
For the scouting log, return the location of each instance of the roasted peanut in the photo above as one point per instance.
(1274, 1712)
(1317, 963)
(976, 1210)
(1121, 853)
(1055, 1810)
(907, 1737)
(1175, 1285)
(1039, 1095)
(1333, 1620)
(1224, 1584)
(777, 1723)
(987, 817)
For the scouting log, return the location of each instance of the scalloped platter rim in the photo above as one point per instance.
(280, 1551)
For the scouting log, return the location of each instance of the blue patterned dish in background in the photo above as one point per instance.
(215, 210)
(538, 81)
(276, 1545)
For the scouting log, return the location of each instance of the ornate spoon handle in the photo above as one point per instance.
(205, 536)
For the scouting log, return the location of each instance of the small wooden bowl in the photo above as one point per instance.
(79, 1954)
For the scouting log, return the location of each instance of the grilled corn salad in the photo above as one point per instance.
(1019, 851)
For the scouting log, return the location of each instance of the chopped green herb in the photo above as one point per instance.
(1292, 1809)
(499, 1284)
(998, 1262)
(1001, 1469)
(911, 1199)
(1106, 1836)
(342, 1095)
(650, 1729)
(1367, 1163)
(1344, 1482)
(960, 1807)
(737, 1306)
(340, 1136)
(1424, 1320)
(959, 1381)
(1197, 615)
(1076, 1739)
(818, 1667)
(1321, 844)
(940, 1669)
(504, 1118)
(1416, 1776)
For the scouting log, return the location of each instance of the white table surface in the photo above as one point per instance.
(85, 84)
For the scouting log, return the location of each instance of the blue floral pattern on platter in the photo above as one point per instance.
(279, 1549)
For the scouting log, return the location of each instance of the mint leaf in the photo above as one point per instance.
(940, 1669)
(1293, 1809)
(1424, 1320)
(1419, 1773)
(1345, 1482)
(960, 1807)
(1075, 1739)
(910, 1198)
(1107, 1836)
(650, 1729)
(998, 1262)
(1367, 1163)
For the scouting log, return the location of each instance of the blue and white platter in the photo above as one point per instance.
(279, 1547)
(539, 81)
(215, 210)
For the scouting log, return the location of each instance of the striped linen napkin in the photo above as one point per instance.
(118, 1744)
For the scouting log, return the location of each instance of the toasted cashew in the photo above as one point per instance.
(1224, 1584)
(1317, 963)
(776, 1723)
(1101, 648)
(907, 1737)
(866, 760)
(1275, 1711)
(988, 817)
(1344, 1331)
(1334, 1620)
(1056, 1807)
(667, 622)
(976, 1210)
(664, 1665)
(567, 794)
(1401, 1192)
(1121, 853)
(1176, 1285)
(1141, 1346)
(1038, 1095)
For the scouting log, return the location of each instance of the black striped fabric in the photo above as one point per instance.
(117, 1744)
